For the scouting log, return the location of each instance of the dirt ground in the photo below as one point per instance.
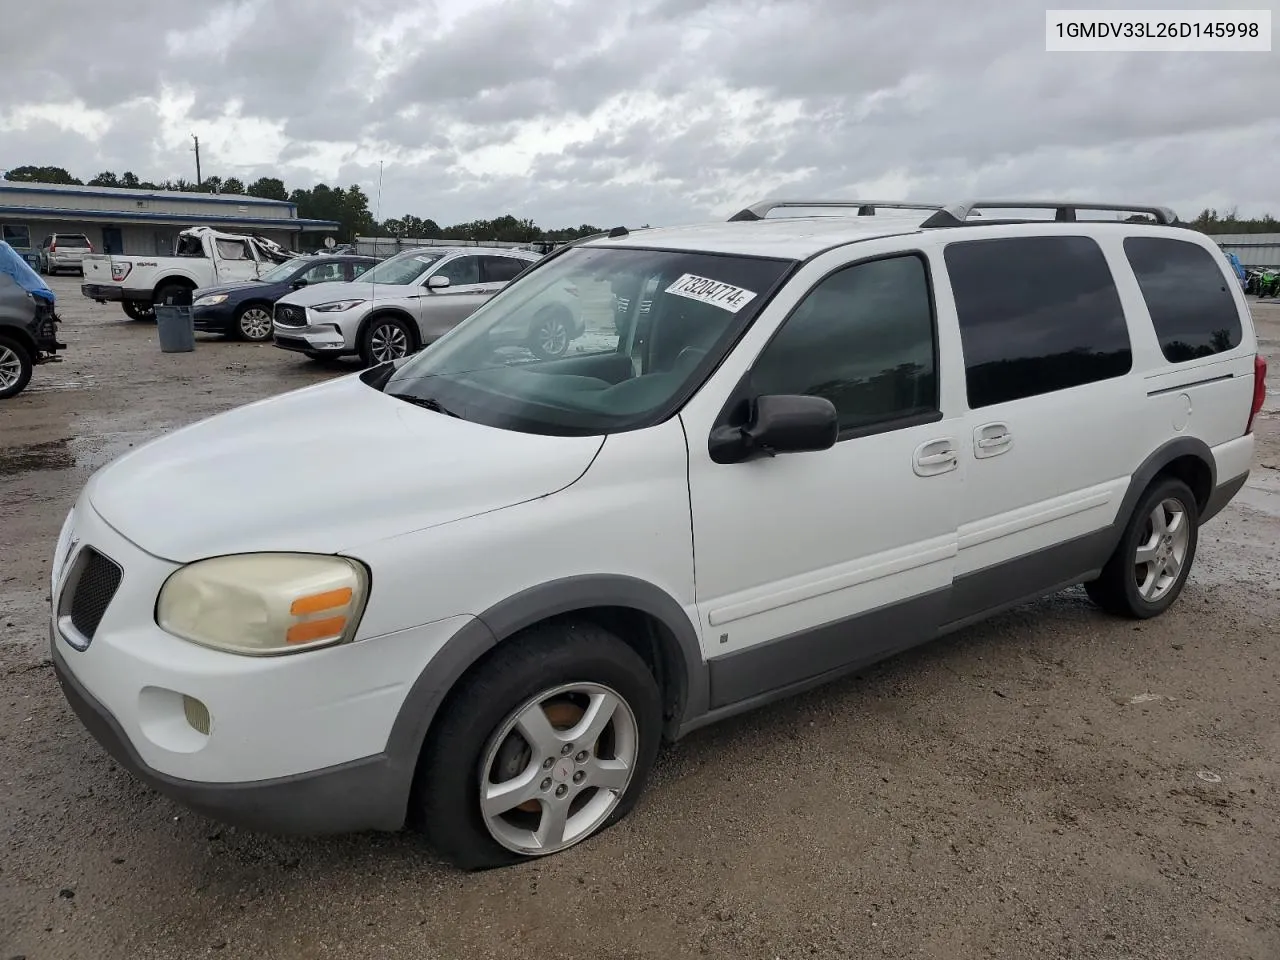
(1050, 784)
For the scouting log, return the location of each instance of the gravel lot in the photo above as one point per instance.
(1050, 784)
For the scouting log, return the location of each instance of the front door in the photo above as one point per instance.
(439, 311)
(112, 240)
(807, 564)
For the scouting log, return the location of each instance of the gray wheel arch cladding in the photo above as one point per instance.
(507, 618)
(385, 313)
(1151, 467)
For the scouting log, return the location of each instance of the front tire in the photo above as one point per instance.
(1150, 565)
(548, 743)
(16, 365)
(253, 323)
(385, 338)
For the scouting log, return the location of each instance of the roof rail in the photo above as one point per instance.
(866, 208)
(956, 214)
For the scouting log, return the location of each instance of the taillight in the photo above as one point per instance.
(1259, 389)
(53, 248)
(120, 270)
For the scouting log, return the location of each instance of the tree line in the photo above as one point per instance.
(348, 206)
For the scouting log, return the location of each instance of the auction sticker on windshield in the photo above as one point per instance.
(705, 290)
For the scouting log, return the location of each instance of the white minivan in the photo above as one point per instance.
(477, 588)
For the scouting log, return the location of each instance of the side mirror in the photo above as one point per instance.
(778, 424)
(299, 283)
(437, 282)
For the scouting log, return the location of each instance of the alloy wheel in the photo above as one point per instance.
(10, 368)
(1162, 551)
(388, 342)
(255, 324)
(557, 767)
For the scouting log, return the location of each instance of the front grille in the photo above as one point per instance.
(94, 582)
(290, 316)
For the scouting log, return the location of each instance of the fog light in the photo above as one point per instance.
(197, 714)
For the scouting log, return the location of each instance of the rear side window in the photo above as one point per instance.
(1037, 314)
(502, 269)
(1191, 308)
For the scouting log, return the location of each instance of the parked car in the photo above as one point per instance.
(463, 593)
(64, 251)
(28, 322)
(203, 257)
(412, 299)
(244, 309)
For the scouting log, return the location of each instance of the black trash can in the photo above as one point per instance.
(175, 328)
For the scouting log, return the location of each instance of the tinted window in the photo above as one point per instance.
(72, 240)
(502, 269)
(462, 271)
(358, 267)
(1186, 292)
(862, 338)
(15, 234)
(1037, 314)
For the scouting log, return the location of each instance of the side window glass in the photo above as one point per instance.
(461, 272)
(1192, 310)
(324, 273)
(1037, 314)
(864, 339)
(502, 269)
(358, 268)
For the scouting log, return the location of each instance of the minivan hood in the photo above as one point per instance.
(323, 469)
(328, 292)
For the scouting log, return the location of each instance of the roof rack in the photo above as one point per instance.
(866, 208)
(957, 214)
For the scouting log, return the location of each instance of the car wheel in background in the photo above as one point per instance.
(138, 310)
(548, 743)
(253, 323)
(551, 333)
(15, 368)
(386, 338)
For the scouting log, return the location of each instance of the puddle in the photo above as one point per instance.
(51, 455)
(85, 453)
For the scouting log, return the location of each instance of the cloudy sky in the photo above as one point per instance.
(633, 111)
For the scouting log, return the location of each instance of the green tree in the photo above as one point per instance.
(233, 185)
(105, 179)
(268, 188)
(30, 174)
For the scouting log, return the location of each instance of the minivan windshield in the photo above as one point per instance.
(593, 341)
(402, 268)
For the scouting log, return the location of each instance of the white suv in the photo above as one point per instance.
(476, 590)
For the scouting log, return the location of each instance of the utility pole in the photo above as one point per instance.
(198, 178)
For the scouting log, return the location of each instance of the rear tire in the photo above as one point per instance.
(551, 333)
(1150, 565)
(570, 675)
(16, 364)
(138, 310)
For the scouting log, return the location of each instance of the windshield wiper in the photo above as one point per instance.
(430, 403)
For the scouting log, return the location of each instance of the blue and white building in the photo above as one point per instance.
(144, 222)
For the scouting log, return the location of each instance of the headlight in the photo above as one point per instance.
(261, 604)
(210, 300)
(336, 306)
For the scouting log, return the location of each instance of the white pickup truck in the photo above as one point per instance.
(203, 257)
